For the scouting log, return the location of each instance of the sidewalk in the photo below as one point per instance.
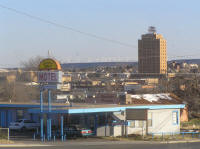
(93, 141)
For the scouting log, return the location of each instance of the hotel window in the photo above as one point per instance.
(175, 117)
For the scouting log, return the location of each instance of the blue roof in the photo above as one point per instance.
(108, 109)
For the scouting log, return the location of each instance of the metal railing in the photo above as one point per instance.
(175, 135)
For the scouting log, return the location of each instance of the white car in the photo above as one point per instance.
(23, 124)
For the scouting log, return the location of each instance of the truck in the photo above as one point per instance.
(24, 124)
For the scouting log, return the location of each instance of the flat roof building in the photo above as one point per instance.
(152, 53)
(103, 119)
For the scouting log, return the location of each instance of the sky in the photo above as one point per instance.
(22, 37)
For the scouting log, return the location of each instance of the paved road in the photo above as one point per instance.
(114, 145)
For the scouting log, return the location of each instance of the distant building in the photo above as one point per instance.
(132, 87)
(11, 78)
(162, 98)
(65, 87)
(194, 68)
(62, 98)
(183, 67)
(96, 83)
(103, 98)
(66, 78)
(174, 66)
(152, 53)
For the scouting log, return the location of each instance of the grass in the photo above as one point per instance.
(192, 124)
(149, 138)
(129, 138)
(3, 141)
(4, 137)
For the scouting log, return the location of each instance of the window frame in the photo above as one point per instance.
(177, 117)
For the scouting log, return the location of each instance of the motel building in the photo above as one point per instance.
(103, 120)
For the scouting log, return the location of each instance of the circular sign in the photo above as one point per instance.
(49, 64)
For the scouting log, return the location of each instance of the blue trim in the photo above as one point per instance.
(177, 117)
(108, 109)
(95, 124)
(3, 119)
(24, 106)
(129, 123)
(95, 110)
(60, 111)
(9, 117)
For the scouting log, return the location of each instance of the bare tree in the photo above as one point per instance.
(32, 63)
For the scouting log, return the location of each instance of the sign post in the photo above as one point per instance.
(49, 77)
(49, 112)
(41, 115)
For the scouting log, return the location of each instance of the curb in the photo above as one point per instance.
(182, 141)
(99, 143)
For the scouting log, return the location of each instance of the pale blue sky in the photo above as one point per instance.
(122, 20)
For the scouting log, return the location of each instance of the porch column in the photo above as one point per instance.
(61, 126)
(95, 123)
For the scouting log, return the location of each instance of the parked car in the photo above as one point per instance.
(71, 131)
(85, 132)
(74, 131)
(23, 124)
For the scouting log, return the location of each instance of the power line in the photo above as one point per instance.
(82, 32)
(67, 27)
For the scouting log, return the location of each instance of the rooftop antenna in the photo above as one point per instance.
(152, 29)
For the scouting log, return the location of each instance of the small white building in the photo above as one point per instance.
(147, 114)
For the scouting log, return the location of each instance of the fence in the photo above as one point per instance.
(175, 136)
(4, 134)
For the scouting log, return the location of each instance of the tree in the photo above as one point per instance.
(32, 63)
